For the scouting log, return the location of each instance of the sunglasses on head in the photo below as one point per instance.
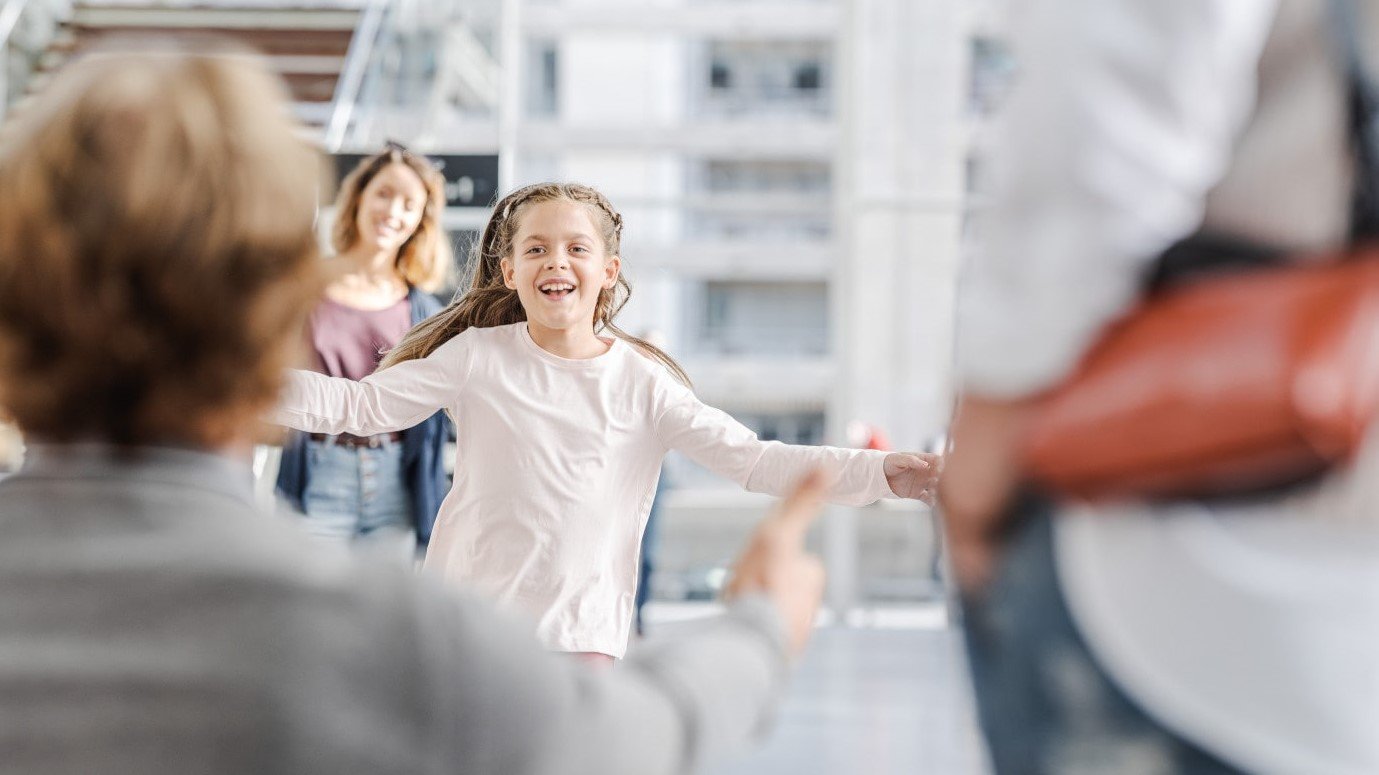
(393, 146)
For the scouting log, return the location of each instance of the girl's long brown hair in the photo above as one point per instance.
(487, 302)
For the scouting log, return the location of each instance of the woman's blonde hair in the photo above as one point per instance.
(487, 302)
(425, 259)
(157, 255)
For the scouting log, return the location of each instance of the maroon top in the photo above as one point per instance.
(350, 342)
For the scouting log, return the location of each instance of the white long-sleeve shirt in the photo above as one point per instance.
(1252, 630)
(557, 466)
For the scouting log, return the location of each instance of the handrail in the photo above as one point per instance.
(9, 19)
(352, 78)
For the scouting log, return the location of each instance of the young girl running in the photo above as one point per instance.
(563, 421)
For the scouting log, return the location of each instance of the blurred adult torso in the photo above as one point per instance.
(1254, 624)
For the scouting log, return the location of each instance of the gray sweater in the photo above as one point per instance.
(151, 619)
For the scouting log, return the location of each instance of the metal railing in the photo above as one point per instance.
(357, 59)
(415, 70)
(9, 19)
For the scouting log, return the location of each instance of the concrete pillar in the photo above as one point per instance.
(898, 186)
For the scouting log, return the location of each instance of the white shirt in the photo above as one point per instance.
(557, 467)
(1253, 631)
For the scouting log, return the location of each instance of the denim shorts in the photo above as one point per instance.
(357, 495)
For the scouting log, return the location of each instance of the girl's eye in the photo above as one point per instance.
(535, 249)
(579, 249)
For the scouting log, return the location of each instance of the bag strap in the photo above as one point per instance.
(1363, 108)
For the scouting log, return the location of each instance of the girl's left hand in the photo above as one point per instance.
(914, 474)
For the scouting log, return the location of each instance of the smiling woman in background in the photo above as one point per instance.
(382, 490)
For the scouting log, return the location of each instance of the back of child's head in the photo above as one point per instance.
(488, 302)
(156, 249)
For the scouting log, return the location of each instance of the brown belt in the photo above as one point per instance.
(355, 442)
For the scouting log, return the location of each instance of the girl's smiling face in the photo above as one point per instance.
(559, 265)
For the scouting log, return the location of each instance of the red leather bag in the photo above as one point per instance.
(1238, 383)
(1224, 386)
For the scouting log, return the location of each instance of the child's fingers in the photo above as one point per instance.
(901, 462)
(916, 462)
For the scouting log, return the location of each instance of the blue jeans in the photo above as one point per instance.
(650, 539)
(357, 496)
(1045, 705)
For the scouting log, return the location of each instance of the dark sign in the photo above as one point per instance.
(470, 180)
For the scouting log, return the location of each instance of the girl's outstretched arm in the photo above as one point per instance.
(715, 440)
(392, 399)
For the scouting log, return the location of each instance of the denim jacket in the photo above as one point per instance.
(423, 448)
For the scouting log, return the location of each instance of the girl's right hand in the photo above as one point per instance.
(775, 564)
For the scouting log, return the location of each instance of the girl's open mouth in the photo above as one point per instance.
(556, 289)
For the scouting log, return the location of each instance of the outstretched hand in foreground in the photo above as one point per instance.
(775, 563)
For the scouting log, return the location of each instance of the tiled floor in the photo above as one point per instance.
(874, 701)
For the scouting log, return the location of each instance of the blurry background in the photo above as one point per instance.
(795, 175)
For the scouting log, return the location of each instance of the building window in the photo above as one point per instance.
(763, 319)
(993, 68)
(720, 77)
(759, 199)
(543, 81)
(761, 77)
(759, 176)
(808, 76)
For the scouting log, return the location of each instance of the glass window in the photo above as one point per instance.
(720, 77)
(543, 81)
(769, 319)
(993, 67)
(808, 76)
(767, 77)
